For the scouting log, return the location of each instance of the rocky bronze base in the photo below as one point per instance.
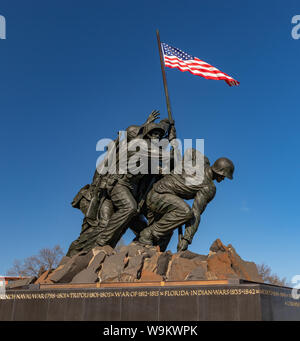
(136, 263)
(226, 300)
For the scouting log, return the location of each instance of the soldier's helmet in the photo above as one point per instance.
(133, 131)
(154, 126)
(224, 166)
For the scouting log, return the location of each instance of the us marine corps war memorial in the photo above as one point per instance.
(143, 183)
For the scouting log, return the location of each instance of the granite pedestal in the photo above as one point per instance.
(158, 301)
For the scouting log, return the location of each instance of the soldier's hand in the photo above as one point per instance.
(153, 116)
(182, 245)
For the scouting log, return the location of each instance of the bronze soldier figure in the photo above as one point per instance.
(169, 210)
(89, 226)
(122, 190)
(93, 224)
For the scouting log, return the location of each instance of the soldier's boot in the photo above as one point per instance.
(163, 242)
(146, 237)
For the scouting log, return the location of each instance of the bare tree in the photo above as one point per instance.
(16, 269)
(46, 259)
(50, 258)
(268, 277)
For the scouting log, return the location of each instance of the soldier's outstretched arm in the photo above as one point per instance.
(191, 227)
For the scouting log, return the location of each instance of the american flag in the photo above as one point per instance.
(175, 58)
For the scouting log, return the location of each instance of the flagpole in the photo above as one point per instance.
(162, 64)
(164, 77)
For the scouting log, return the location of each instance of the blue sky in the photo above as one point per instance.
(73, 72)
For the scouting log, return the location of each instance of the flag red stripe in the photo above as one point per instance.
(201, 74)
(197, 72)
(175, 62)
(199, 68)
(192, 63)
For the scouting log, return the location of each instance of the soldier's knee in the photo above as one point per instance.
(190, 215)
(130, 208)
(187, 213)
(103, 222)
(132, 211)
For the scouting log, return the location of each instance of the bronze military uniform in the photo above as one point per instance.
(169, 210)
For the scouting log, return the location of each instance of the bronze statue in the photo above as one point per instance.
(101, 200)
(123, 190)
(152, 205)
(169, 210)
